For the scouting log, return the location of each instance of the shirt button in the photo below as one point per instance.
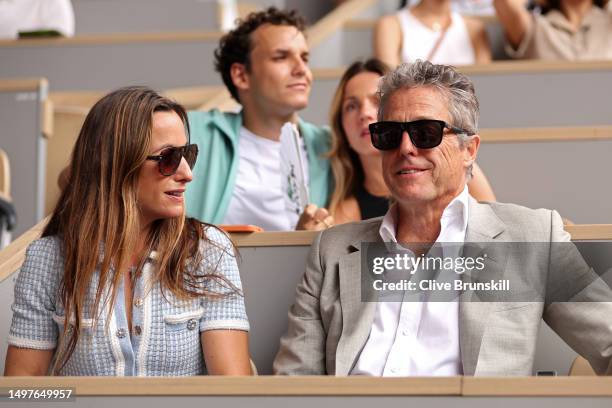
(138, 330)
(405, 332)
(138, 302)
(191, 324)
(121, 333)
(394, 370)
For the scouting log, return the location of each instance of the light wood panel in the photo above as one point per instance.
(262, 385)
(324, 385)
(12, 256)
(543, 134)
(120, 38)
(537, 386)
(22, 84)
(5, 175)
(500, 67)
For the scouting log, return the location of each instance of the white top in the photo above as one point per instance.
(32, 15)
(418, 40)
(258, 197)
(468, 7)
(417, 338)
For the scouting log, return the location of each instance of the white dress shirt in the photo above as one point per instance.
(417, 338)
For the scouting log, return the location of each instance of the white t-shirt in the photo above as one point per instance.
(32, 15)
(258, 197)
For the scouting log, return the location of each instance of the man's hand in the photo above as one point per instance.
(314, 219)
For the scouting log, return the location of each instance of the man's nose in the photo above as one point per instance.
(406, 146)
(300, 67)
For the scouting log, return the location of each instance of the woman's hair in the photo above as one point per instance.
(97, 216)
(345, 164)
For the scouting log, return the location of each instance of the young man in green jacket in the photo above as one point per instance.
(237, 178)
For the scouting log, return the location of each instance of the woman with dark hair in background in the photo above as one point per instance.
(121, 283)
(569, 30)
(360, 190)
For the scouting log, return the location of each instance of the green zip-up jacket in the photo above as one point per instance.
(214, 175)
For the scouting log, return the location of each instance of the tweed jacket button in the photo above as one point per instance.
(138, 302)
(121, 333)
(191, 324)
(138, 330)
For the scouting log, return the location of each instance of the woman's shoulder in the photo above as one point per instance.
(212, 240)
(390, 22)
(43, 259)
(215, 236)
(45, 247)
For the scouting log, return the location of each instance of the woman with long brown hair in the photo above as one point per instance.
(360, 190)
(121, 283)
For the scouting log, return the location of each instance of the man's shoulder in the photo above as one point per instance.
(511, 211)
(522, 223)
(310, 130)
(351, 233)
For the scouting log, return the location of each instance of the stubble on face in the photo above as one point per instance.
(423, 176)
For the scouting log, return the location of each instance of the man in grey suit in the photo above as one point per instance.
(428, 137)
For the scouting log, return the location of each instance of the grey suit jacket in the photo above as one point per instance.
(329, 324)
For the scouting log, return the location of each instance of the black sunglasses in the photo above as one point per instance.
(424, 133)
(169, 160)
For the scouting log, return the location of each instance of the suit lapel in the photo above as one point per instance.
(357, 314)
(484, 228)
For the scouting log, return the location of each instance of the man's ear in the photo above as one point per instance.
(471, 149)
(240, 76)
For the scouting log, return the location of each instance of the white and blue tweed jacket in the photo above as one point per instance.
(165, 337)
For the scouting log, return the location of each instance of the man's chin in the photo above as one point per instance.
(297, 104)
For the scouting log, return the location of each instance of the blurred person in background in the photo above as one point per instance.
(569, 30)
(431, 30)
(36, 16)
(239, 180)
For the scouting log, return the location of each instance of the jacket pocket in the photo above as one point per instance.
(183, 347)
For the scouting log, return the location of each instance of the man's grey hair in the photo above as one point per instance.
(457, 88)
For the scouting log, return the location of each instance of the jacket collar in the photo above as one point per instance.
(484, 227)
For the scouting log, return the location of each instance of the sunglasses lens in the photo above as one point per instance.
(426, 134)
(171, 158)
(386, 136)
(191, 154)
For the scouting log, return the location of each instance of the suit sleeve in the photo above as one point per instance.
(581, 312)
(302, 348)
